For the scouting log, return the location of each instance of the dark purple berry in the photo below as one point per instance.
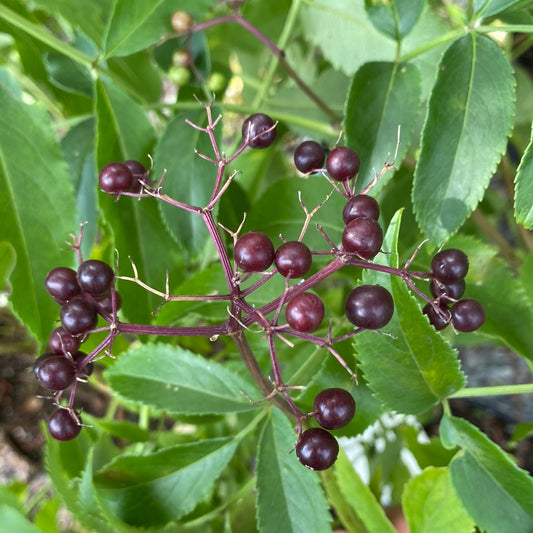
(447, 292)
(85, 371)
(95, 277)
(62, 284)
(54, 371)
(363, 236)
(293, 259)
(64, 424)
(62, 342)
(254, 252)
(360, 206)
(369, 306)
(115, 178)
(438, 319)
(467, 315)
(342, 163)
(139, 173)
(305, 312)
(334, 408)
(78, 316)
(259, 130)
(105, 303)
(309, 156)
(317, 449)
(449, 265)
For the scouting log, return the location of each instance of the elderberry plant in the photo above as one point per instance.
(285, 219)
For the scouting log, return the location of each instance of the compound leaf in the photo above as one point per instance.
(523, 202)
(289, 496)
(466, 129)
(481, 463)
(173, 379)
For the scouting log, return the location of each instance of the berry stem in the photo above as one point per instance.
(497, 390)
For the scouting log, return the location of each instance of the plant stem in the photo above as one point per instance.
(496, 390)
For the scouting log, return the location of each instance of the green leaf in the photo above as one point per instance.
(487, 480)
(34, 187)
(289, 496)
(68, 74)
(493, 7)
(412, 356)
(431, 505)
(523, 200)
(173, 379)
(8, 259)
(382, 98)
(13, 520)
(189, 178)
(466, 129)
(360, 498)
(395, 18)
(155, 488)
(137, 24)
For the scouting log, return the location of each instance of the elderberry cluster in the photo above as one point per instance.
(82, 295)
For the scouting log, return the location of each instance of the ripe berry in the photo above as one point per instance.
(363, 236)
(360, 206)
(293, 259)
(115, 178)
(95, 277)
(449, 265)
(309, 156)
(260, 130)
(334, 408)
(139, 173)
(64, 424)
(467, 315)
(447, 292)
(437, 320)
(78, 316)
(105, 303)
(369, 306)
(254, 252)
(317, 449)
(62, 342)
(53, 371)
(342, 163)
(62, 284)
(305, 312)
(85, 371)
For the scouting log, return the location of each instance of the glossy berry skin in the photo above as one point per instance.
(95, 277)
(78, 316)
(82, 372)
(369, 306)
(139, 173)
(64, 425)
(305, 312)
(449, 265)
(254, 252)
(334, 408)
(115, 178)
(293, 259)
(62, 342)
(54, 372)
(342, 163)
(62, 284)
(438, 320)
(309, 156)
(363, 236)
(317, 449)
(360, 206)
(105, 303)
(447, 292)
(260, 131)
(467, 315)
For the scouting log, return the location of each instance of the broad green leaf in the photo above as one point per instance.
(189, 178)
(431, 505)
(289, 496)
(493, 7)
(173, 379)
(412, 356)
(487, 480)
(466, 129)
(13, 520)
(68, 74)
(137, 24)
(382, 98)
(34, 188)
(395, 18)
(8, 259)
(523, 201)
(360, 498)
(153, 489)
